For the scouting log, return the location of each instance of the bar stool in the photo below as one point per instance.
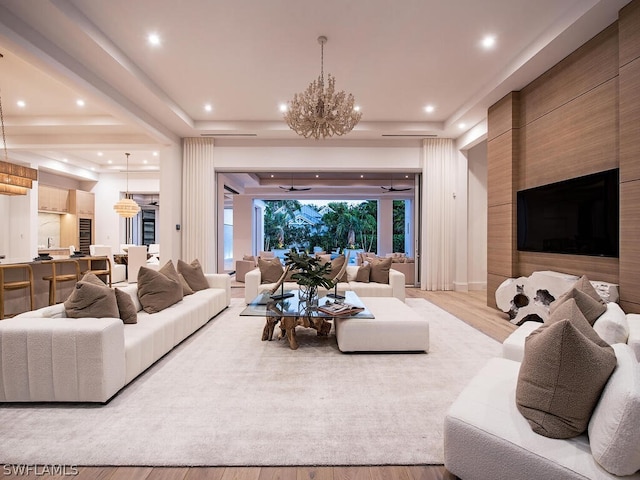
(57, 276)
(100, 271)
(15, 284)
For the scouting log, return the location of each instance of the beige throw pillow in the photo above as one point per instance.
(270, 269)
(587, 298)
(564, 369)
(193, 274)
(380, 270)
(160, 289)
(89, 300)
(336, 265)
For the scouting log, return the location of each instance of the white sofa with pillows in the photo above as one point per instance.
(370, 280)
(100, 339)
(570, 409)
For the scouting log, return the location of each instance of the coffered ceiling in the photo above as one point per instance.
(245, 58)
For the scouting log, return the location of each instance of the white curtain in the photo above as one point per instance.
(199, 203)
(439, 222)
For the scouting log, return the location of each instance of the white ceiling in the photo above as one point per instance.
(246, 57)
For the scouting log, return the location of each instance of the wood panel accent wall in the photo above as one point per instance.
(629, 138)
(502, 154)
(580, 117)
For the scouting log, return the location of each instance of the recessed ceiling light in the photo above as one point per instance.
(109, 162)
(21, 103)
(145, 161)
(154, 39)
(80, 102)
(65, 160)
(99, 154)
(356, 108)
(462, 125)
(272, 175)
(406, 176)
(317, 176)
(155, 154)
(283, 107)
(429, 108)
(361, 176)
(207, 107)
(488, 42)
(93, 168)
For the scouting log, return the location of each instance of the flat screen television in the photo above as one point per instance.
(578, 216)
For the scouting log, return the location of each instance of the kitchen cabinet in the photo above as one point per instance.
(53, 199)
(84, 202)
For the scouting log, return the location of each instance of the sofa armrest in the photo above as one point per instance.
(634, 333)
(61, 359)
(220, 280)
(397, 281)
(252, 281)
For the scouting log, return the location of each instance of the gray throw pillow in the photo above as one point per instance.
(364, 272)
(193, 274)
(270, 269)
(160, 289)
(126, 308)
(586, 297)
(380, 270)
(186, 289)
(565, 367)
(89, 300)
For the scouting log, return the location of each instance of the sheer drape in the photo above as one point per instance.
(198, 203)
(439, 224)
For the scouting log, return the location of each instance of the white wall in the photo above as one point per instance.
(242, 227)
(477, 217)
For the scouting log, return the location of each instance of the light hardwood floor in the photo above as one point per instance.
(470, 307)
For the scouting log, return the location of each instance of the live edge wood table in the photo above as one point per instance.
(291, 313)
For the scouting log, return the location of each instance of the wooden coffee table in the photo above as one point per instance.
(291, 312)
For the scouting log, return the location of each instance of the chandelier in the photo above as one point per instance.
(14, 179)
(127, 207)
(320, 111)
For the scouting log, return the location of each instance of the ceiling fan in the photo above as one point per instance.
(295, 189)
(391, 188)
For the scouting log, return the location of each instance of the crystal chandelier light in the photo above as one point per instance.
(320, 111)
(14, 179)
(127, 208)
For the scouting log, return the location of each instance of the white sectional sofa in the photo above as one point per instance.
(486, 437)
(395, 287)
(46, 357)
(613, 326)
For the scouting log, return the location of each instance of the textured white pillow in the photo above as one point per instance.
(612, 325)
(614, 435)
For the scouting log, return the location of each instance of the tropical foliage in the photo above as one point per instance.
(343, 225)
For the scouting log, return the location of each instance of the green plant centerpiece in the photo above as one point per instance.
(310, 273)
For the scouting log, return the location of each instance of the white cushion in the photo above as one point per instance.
(634, 333)
(513, 346)
(612, 326)
(614, 429)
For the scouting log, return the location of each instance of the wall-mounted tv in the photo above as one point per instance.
(578, 216)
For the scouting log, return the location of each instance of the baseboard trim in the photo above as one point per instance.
(476, 286)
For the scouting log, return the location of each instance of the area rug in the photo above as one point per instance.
(223, 397)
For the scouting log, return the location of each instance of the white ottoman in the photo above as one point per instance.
(396, 328)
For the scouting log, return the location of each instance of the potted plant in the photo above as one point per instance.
(310, 273)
